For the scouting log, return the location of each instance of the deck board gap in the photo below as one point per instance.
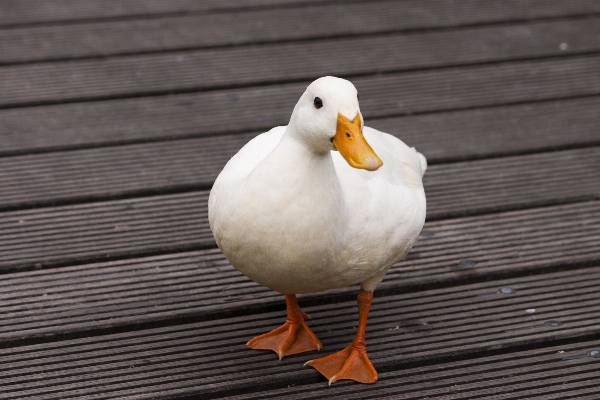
(316, 300)
(374, 35)
(232, 132)
(276, 82)
(170, 14)
(385, 32)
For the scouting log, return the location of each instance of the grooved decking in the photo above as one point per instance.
(116, 117)
(54, 235)
(535, 378)
(250, 109)
(244, 66)
(241, 28)
(202, 284)
(421, 326)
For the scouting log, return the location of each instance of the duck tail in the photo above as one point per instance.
(423, 162)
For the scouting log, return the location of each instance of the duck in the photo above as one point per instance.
(321, 203)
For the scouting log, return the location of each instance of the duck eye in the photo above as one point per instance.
(318, 102)
(357, 96)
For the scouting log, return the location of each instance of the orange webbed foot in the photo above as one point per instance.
(290, 338)
(349, 363)
(293, 337)
(352, 362)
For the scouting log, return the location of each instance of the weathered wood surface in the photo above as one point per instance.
(67, 176)
(75, 233)
(243, 66)
(262, 26)
(96, 231)
(249, 109)
(101, 174)
(202, 285)
(403, 330)
(486, 132)
(21, 12)
(117, 115)
(529, 373)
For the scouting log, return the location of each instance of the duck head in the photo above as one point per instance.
(327, 117)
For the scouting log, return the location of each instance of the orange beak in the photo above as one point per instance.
(351, 144)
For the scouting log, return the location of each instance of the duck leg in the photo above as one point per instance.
(352, 362)
(292, 337)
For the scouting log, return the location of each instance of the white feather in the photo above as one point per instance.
(299, 219)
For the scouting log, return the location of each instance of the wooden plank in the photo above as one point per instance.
(103, 230)
(202, 285)
(498, 131)
(512, 182)
(259, 26)
(209, 358)
(18, 12)
(545, 373)
(246, 109)
(95, 231)
(485, 132)
(210, 69)
(193, 164)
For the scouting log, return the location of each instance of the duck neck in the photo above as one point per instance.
(298, 187)
(308, 170)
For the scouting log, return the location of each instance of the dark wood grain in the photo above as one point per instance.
(117, 115)
(203, 285)
(246, 109)
(103, 230)
(498, 131)
(19, 12)
(537, 374)
(163, 166)
(209, 69)
(77, 233)
(154, 168)
(512, 182)
(260, 26)
(210, 357)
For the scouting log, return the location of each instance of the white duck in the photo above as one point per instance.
(295, 215)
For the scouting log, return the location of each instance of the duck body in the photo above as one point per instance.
(299, 222)
(319, 204)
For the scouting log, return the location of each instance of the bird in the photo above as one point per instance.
(322, 203)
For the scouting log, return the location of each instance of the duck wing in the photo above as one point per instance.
(251, 155)
(386, 207)
(402, 165)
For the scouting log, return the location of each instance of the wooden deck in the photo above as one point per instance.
(117, 115)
